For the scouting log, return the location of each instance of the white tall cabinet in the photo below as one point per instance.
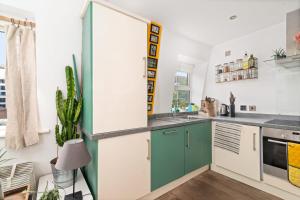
(119, 70)
(114, 80)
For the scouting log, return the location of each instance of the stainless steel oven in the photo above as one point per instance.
(275, 146)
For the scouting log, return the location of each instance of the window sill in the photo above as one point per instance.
(3, 129)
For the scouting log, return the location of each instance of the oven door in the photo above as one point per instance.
(275, 157)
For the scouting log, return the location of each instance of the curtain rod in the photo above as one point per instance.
(17, 21)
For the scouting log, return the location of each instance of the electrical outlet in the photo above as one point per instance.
(252, 108)
(243, 108)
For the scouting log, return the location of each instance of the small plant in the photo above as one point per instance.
(50, 194)
(68, 111)
(279, 54)
(2, 154)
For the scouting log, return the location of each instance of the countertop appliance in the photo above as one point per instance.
(224, 110)
(275, 146)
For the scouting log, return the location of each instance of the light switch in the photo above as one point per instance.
(252, 108)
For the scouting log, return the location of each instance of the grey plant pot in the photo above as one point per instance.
(62, 178)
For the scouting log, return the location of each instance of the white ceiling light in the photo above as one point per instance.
(233, 17)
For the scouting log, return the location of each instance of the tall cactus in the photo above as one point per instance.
(68, 111)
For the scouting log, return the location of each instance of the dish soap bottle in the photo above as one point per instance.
(245, 61)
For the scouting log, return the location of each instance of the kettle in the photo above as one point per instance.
(224, 110)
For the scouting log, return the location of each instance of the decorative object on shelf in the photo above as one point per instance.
(292, 30)
(279, 54)
(74, 155)
(232, 105)
(241, 69)
(68, 112)
(154, 35)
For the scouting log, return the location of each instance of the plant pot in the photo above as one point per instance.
(62, 178)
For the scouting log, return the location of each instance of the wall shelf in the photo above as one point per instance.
(288, 62)
(237, 75)
(235, 71)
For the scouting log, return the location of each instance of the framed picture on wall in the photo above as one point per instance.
(154, 29)
(151, 74)
(152, 63)
(150, 86)
(152, 50)
(149, 107)
(154, 38)
(150, 98)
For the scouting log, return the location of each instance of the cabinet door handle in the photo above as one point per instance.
(254, 141)
(188, 139)
(172, 132)
(149, 149)
(145, 67)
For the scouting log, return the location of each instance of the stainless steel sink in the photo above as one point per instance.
(188, 117)
(179, 119)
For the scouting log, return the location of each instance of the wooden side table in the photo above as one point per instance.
(80, 185)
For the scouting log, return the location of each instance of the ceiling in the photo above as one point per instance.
(207, 21)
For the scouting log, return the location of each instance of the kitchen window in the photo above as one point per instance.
(182, 92)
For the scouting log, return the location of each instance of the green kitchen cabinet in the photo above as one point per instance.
(197, 146)
(167, 156)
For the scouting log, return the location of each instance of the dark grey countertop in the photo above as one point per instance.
(168, 121)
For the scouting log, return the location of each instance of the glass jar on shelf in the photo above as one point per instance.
(240, 75)
(219, 69)
(225, 68)
(218, 78)
(231, 66)
(239, 64)
(234, 76)
(221, 78)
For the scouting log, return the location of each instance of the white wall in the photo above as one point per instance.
(277, 89)
(172, 46)
(58, 35)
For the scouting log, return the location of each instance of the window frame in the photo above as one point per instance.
(3, 121)
(178, 87)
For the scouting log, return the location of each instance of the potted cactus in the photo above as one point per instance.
(68, 113)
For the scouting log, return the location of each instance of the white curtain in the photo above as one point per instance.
(21, 94)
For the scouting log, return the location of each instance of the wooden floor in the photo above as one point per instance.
(213, 186)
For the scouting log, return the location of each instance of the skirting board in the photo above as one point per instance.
(259, 185)
(170, 186)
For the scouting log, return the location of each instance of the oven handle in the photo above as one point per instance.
(277, 142)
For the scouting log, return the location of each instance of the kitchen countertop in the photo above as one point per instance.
(168, 121)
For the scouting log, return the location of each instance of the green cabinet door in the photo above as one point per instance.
(167, 156)
(197, 146)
